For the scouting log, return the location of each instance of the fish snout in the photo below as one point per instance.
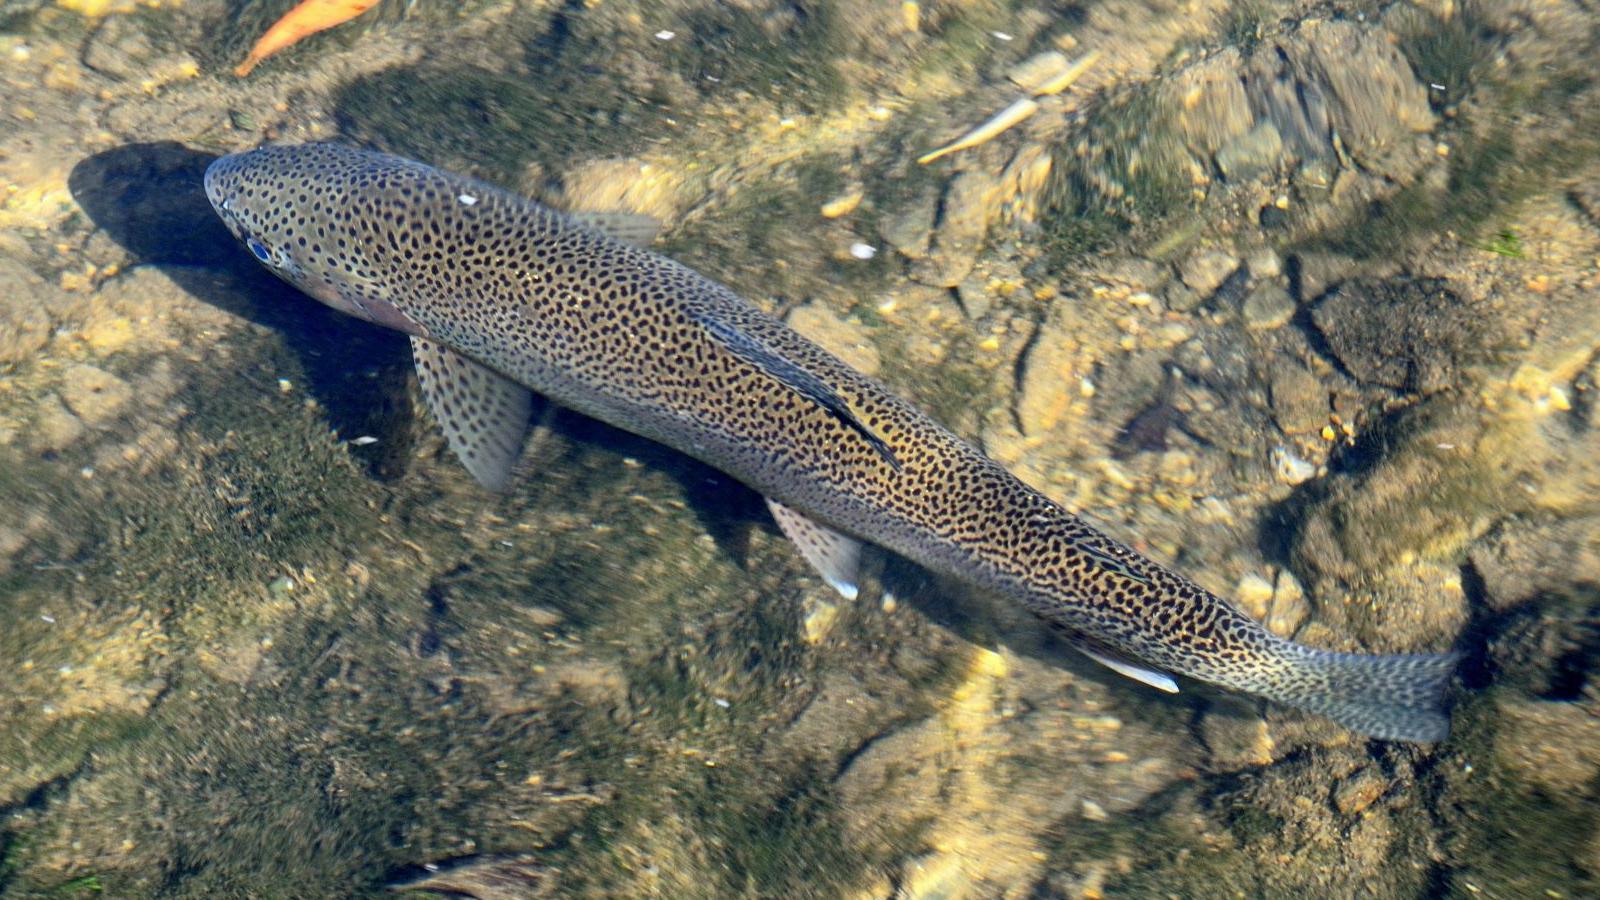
(218, 182)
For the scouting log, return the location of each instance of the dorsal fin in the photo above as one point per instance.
(795, 378)
(483, 413)
(633, 228)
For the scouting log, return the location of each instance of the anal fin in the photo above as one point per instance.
(483, 413)
(835, 556)
(1122, 665)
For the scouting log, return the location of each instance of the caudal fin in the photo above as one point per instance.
(1397, 698)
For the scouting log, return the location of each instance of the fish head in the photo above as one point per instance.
(299, 211)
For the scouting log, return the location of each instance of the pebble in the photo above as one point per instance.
(911, 231)
(1250, 153)
(1358, 792)
(819, 616)
(1254, 594)
(1041, 402)
(93, 394)
(1299, 399)
(1264, 264)
(1320, 271)
(24, 324)
(1290, 468)
(975, 297)
(55, 427)
(1289, 606)
(1267, 306)
(842, 205)
(1206, 270)
(968, 203)
(119, 49)
(1271, 217)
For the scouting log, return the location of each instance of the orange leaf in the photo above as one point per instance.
(310, 17)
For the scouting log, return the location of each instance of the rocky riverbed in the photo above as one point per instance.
(1302, 299)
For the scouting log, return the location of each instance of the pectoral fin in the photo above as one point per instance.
(796, 379)
(483, 413)
(835, 556)
(1122, 665)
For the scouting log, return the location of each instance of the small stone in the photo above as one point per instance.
(975, 297)
(1206, 270)
(94, 395)
(911, 231)
(818, 619)
(1267, 306)
(1290, 468)
(1357, 793)
(628, 185)
(1179, 297)
(1264, 264)
(55, 427)
(1254, 595)
(1094, 812)
(119, 49)
(842, 205)
(969, 201)
(1317, 272)
(1289, 607)
(1299, 399)
(1272, 217)
(1051, 364)
(1255, 151)
(24, 323)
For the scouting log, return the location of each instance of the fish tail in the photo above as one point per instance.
(1399, 698)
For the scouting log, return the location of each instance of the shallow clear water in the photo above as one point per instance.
(1299, 300)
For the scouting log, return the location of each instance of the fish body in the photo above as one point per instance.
(502, 296)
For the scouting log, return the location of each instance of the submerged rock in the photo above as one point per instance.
(969, 203)
(1411, 334)
(94, 395)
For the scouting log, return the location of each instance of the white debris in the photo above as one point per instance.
(665, 35)
(863, 251)
(364, 440)
(467, 199)
(1291, 469)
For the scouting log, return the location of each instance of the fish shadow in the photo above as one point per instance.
(150, 199)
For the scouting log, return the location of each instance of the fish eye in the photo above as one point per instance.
(260, 250)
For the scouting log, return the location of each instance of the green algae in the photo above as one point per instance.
(540, 96)
(1514, 132)
(1123, 178)
(789, 55)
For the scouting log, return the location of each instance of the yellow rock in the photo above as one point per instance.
(33, 191)
(842, 205)
(94, 9)
(109, 335)
(630, 185)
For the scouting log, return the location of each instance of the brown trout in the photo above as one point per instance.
(502, 296)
